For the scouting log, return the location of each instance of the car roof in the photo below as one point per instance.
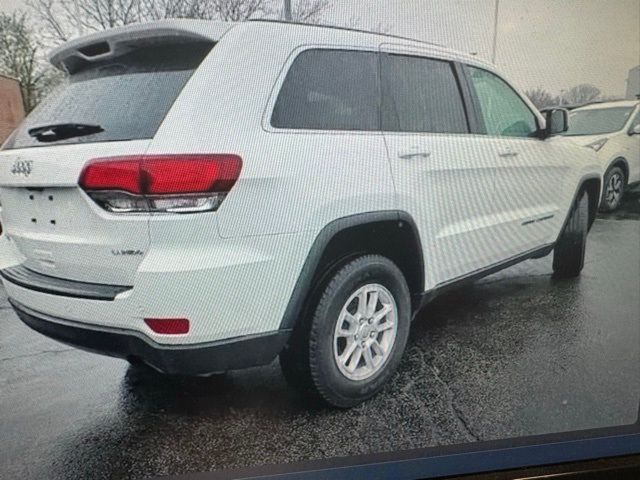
(611, 104)
(336, 29)
(330, 34)
(207, 30)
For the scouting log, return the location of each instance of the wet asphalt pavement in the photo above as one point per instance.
(515, 354)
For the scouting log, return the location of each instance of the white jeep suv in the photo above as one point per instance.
(201, 196)
(612, 129)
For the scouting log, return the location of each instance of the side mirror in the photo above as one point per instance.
(635, 130)
(557, 121)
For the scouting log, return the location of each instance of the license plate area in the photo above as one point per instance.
(47, 210)
(40, 209)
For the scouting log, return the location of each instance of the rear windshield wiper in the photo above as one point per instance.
(62, 131)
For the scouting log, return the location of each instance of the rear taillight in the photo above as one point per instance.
(160, 183)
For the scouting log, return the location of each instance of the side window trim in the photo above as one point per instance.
(382, 97)
(460, 87)
(470, 100)
(476, 101)
(276, 89)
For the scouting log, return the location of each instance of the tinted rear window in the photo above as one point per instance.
(128, 96)
(329, 90)
(421, 95)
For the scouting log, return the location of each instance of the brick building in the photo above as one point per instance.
(11, 106)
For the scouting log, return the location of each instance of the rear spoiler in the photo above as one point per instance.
(77, 53)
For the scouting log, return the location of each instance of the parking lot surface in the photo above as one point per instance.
(518, 353)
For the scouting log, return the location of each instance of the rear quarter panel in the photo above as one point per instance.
(291, 181)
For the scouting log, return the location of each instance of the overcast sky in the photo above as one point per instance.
(554, 44)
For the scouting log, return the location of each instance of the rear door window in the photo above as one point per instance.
(127, 96)
(329, 90)
(421, 95)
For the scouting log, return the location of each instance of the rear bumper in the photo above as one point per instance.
(23, 277)
(193, 359)
(227, 288)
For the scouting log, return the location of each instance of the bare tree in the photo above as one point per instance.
(581, 94)
(305, 11)
(541, 98)
(159, 9)
(20, 57)
(63, 19)
(355, 21)
(237, 10)
(309, 11)
(611, 98)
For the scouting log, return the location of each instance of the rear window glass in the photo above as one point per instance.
(421, 95)
(127, 96)
(329, 90)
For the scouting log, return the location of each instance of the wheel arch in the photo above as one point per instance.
(621, 162)
(392, 233)
(591, 184)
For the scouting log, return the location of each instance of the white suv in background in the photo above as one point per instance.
(202, 196)
(612, 129)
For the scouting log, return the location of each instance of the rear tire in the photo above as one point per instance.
(613, 188)
(360, 323)
(569, 252)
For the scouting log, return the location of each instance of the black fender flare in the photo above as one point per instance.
(303, 285)
(594, 204)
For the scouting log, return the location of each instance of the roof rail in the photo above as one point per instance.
(349, 29)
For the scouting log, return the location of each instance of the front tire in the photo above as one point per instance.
(615, 182)
(357, 334)
(569, 252)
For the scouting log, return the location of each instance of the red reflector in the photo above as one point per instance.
(168, 326)
(162, 174)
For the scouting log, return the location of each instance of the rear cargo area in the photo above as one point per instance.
(117, 94)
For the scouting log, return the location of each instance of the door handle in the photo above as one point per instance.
(508, 153)
(410, 155)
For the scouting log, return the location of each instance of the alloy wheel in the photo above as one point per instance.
(613, 193)
(365, 332)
